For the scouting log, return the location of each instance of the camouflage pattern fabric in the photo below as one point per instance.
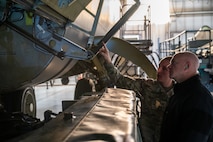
(154, 100)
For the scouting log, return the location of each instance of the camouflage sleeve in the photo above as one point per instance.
(140, 85)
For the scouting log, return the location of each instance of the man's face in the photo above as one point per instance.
(163, 71)
(176, 67)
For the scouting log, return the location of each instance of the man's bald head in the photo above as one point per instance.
(191, 58)
(183, 66)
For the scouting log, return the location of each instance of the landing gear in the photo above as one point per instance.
(21, 101)
(18, 113)
(28, 102)
(65, 80)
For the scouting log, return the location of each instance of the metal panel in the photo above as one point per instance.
(107, 116)
(71, 11)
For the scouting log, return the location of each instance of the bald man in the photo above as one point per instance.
(189, 114)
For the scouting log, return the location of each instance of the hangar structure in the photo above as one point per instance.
(46, 40)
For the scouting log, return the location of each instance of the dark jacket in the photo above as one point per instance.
(189, 114)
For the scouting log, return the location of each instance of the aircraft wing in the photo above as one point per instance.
(68, 8)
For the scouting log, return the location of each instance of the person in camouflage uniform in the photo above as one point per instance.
(155, 94)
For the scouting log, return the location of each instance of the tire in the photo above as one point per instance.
(21, 101)
(28, 102)
(65, 81)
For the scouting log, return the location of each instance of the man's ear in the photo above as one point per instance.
(186, 67)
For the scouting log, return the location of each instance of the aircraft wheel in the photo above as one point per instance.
(21, 101)
(65, 81)
(28, 102)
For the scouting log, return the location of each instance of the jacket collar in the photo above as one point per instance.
(187, 85)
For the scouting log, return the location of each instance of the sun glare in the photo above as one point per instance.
(159, 10)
